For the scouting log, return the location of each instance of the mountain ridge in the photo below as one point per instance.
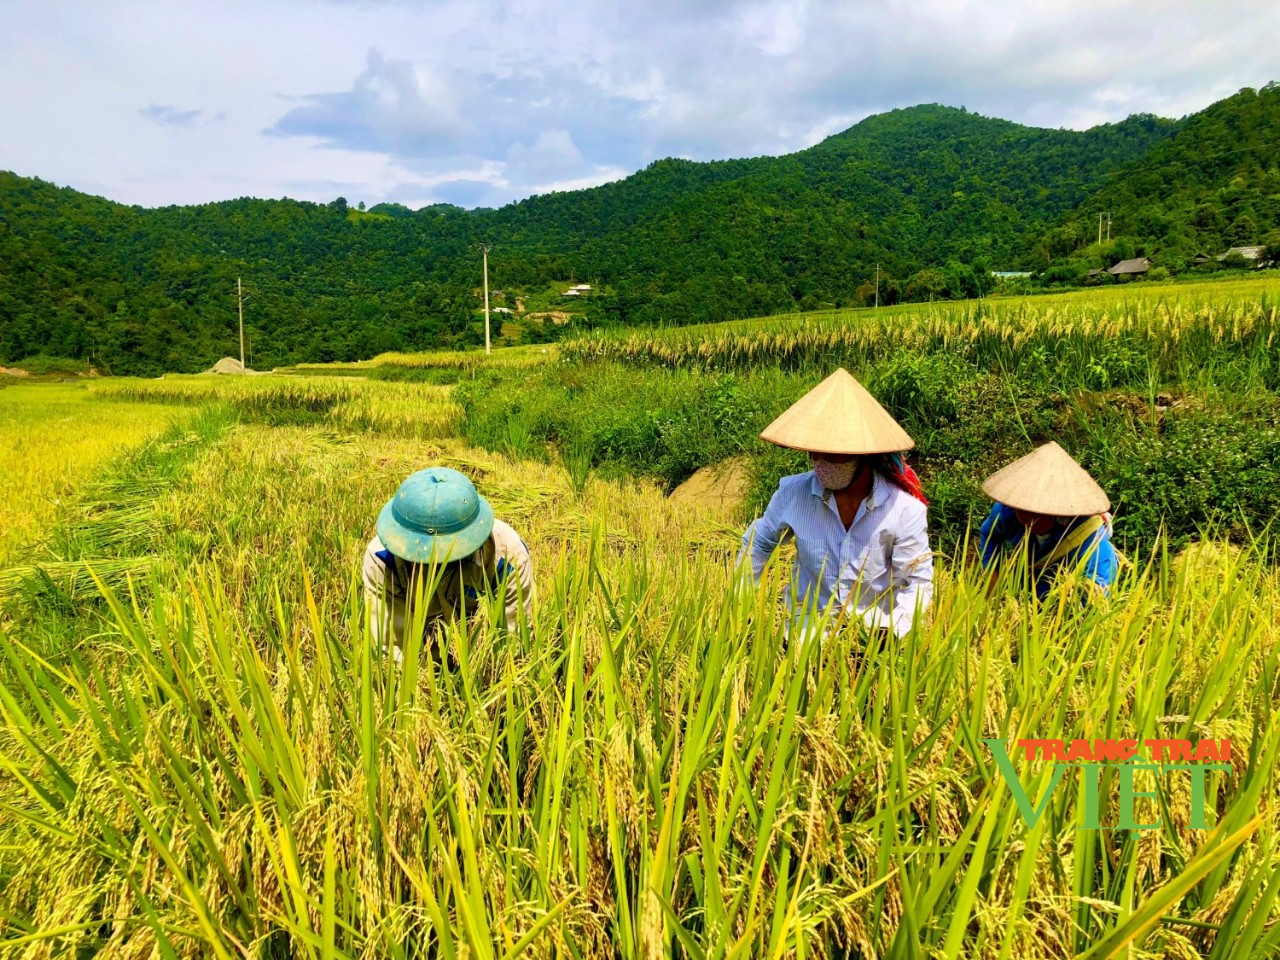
(936, 196)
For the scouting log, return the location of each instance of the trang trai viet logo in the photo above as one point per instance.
(1124, 757)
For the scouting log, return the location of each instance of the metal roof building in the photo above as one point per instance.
(1134, 267)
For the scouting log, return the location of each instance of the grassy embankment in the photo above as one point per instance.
(217, 763)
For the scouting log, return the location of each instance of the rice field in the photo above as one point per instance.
(204, 754)
(1087, 344)
(422, 411)
(52, 437)
(1187, 299)
(460, 361)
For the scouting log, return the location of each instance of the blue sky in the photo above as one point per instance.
(481, 103)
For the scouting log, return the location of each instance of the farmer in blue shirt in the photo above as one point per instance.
(1052, 514)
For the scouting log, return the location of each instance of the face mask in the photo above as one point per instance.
(834, 476)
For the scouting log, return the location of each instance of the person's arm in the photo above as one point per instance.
(384, 597)
(992, 535)
(515, 573)
(765, 534)
(1096, 559)
(911, 572)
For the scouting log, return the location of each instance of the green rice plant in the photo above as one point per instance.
(655, 766)
(578, 460)
(653, 769)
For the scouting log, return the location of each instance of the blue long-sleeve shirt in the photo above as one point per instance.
(1002, 533)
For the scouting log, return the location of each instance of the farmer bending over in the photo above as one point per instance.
(438, 528)
(858, 517)
(1050, 512)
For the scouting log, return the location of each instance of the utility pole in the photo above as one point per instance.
(877, 286)
(485, 248)
(1099, 228)
(1108, 226)
(240, 306)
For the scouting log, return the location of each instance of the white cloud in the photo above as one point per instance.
(167, 115)
(553, 155)
(394, 107)
(488, 102)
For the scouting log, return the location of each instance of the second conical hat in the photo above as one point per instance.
(838, 416)
(1047, 481)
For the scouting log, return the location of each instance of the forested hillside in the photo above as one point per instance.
(1213, 186)
(928, 187)
(937, 196)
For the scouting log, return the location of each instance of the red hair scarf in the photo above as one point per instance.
(894, 467)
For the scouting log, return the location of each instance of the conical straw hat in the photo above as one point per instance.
(838, 416)
(1047, 481)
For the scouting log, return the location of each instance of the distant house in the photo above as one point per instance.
(501, 310)
(1131, 268)
(1009, 274)
(1095, 274)
(1249, 253)
(581, 287)
(572, 292)
(1200, 259)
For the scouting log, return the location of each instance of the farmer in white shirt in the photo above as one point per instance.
(858, 517)
(437, 531)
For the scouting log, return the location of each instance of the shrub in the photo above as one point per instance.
(1203, 470)
(43, 365)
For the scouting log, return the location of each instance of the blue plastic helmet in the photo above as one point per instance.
(436, 516)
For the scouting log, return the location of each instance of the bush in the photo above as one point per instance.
(1202, 470)
(649, 422)
(922, 388)
(1069, 273)
(43, 366)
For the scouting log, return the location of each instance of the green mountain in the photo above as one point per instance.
(908, 189)
(1214, 184)
(936, 196)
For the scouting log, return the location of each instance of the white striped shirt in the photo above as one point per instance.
(881, 567)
